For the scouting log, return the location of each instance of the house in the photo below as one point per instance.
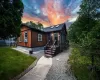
(53, 36)
(31, 37)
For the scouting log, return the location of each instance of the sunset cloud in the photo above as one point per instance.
(49, 12)
(27, 18)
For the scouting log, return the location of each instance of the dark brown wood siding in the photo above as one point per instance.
(35, 42)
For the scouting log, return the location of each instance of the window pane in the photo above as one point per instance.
(25, 37)
(39, 37)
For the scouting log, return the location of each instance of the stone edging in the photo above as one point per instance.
(25, 71)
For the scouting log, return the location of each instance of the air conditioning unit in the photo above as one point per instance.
(25, 40)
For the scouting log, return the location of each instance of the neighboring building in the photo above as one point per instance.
(31, 37)
(7, 42)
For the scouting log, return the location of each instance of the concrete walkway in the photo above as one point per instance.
(40, 71)
(37, 53)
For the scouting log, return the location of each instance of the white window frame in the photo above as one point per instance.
(25, 38)
(39, 37)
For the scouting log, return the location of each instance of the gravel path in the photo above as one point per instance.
(38, 54)
(60, 69)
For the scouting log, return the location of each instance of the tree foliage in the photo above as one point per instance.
(10, 18)
(90, 8)
(85, 31)
(37, 26)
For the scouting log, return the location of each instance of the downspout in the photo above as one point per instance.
(60, 40)
(31, 39)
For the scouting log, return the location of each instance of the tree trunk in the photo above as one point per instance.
(92, 62)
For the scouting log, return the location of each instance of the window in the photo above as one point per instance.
(26, 37)
(39, 37)
(56, 34)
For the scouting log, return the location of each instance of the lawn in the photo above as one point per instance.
(12, 63)
(80, 65)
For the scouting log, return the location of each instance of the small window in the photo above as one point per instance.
(39, 37)
(26, 37)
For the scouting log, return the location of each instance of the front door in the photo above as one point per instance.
(56, 38)
(50, 38)
(53, 37)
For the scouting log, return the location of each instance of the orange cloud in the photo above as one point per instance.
(27, 18)
(55, 16)
(54, 11)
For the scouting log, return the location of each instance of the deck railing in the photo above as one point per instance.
(53, 44)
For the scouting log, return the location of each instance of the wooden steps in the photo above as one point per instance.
(51, 50)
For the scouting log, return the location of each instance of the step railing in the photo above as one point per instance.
(48, 43)
(53, 44)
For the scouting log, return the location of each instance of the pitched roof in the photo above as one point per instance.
(31, 27)
(54, 28)
(47, 29)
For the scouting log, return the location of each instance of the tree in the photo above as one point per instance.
(32, 24)
(90, 9)
(10, 18)
(85, 31)
(37, 26)
(40, 26)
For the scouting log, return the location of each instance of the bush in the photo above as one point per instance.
(80, 66)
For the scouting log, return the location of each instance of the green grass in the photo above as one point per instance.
(12, 63)
(79, 65)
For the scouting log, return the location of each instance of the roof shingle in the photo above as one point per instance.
(48, 29)
(54, 28)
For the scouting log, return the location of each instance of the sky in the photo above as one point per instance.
(50, 12)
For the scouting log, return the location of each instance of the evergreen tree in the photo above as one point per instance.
(85, 31)
(10, 18)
